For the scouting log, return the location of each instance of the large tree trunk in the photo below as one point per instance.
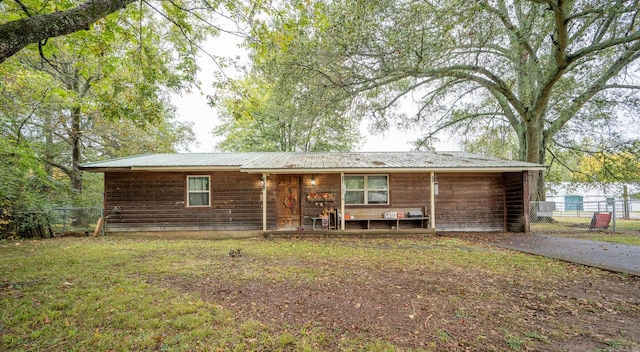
(74, 140)
(17, 34)
(535, 152)
(49, 156)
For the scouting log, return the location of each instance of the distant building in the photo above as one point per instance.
(571, 196)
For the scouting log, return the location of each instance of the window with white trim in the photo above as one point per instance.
(366, 189)
(198, 191)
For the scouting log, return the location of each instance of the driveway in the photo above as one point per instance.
(610, 256)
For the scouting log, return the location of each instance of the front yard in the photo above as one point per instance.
(431, 293)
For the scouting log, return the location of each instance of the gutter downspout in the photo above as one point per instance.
(432, 205)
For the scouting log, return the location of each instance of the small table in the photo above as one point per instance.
(330, 218)
(313, 223)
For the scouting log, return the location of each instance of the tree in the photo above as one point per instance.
(542, 68)
(271, 109)
(258, 116)
(101, 92)
(25, 182)
(620, 165)
(24, 22)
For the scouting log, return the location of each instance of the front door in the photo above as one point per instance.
(289, 202)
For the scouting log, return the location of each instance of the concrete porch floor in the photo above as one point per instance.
(348, 233)
(222, 235)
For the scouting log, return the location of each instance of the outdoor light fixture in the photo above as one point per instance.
(262, 183)
(313, 181)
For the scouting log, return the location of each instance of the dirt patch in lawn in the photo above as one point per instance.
(452, 308)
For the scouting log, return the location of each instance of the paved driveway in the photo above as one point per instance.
(610, 256)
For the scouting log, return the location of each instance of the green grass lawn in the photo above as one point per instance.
(115, 294)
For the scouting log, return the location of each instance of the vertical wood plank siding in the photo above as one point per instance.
(516, 201)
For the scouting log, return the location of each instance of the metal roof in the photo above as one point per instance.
(312, 162)
(174, 160)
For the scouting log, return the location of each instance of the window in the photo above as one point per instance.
(198, 191)
(366, 189)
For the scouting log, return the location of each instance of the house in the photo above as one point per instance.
(447, 191)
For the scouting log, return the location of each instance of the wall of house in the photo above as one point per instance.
(325, 183)
(156, 201)
(466, 201)
(470, 202)
(516, 189)
(409, 190)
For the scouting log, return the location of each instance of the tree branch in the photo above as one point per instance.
(24, 7)
(15, 35)
(492, 82)
(562, 163)
(520, 38)
(186, 36)
(602, 30)
(621, 86)
(630, 55)
(455, 122)
(604, 45)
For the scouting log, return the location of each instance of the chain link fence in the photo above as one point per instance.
(75, 221)
(620, 215)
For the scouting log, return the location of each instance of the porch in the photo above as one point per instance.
(372, 233)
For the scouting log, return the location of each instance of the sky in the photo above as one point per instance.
(193, 107)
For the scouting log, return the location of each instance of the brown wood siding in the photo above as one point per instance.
(158, 200)
(237, 201)
(470, 202)
(410, 190)
(325, 183)
(516, 205)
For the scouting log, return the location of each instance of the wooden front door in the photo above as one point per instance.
(289, 214)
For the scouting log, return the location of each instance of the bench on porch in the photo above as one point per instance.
(393, 218)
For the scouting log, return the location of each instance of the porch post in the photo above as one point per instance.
(342, 190)
(432, 207)
(264, 202)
